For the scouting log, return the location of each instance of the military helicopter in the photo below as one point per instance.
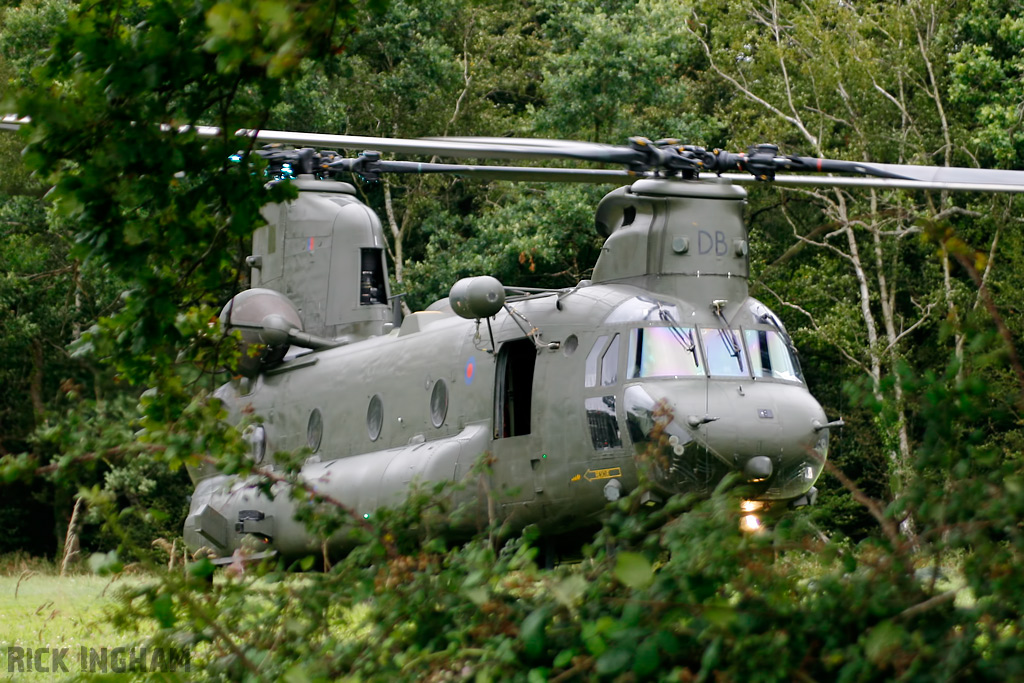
(660, 372)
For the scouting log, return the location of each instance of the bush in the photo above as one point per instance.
(677, 593)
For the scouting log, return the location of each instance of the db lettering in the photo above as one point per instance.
(708, 242)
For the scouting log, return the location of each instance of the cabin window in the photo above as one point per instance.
(438, 403)
(256, 437)
(314, 430)
(570, 345)
(604, 425)
(375, 417)
(514, 388)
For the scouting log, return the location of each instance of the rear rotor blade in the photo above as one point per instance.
(521, 173)
(457, 148)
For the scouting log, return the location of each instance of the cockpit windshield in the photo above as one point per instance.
(698, 352)
(725, 353)
(664, 352)
(772, 356)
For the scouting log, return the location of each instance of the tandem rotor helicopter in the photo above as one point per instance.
(660, 370)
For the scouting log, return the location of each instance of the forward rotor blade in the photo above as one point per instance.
(959, 176)
(981, 181)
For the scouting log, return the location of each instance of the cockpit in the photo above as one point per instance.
(699, 396)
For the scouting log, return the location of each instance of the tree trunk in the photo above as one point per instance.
(35, 389)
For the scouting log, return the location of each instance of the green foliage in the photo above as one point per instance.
(27, 33)
(669, 594)
(620, 72)
(535, 237)
(985, 79)
(145, 231)
(151, 501)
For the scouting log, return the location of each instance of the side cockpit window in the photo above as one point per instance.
(610, 363)
(602, 369)
(603, 362)
(772, 356)
(593, 358)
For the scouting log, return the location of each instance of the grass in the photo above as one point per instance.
(39, 609)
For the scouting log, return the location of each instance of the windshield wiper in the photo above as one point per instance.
(687, 343)
(726, 333)
(770, 320)
(685, 340)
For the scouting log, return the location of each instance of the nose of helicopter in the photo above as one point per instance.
(772, 433)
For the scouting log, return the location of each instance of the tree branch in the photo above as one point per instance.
(874, 509)
(846, 354)
(749, 94)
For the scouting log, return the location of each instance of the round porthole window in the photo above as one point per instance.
(570, 345)
(439, 403)
(375, 417)
(256, 437)
(314, 430)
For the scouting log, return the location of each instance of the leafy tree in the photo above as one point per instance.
(453, 68)
(985, 71)
(163, 211)
(621, 71)
(531, 236)
(877, 90)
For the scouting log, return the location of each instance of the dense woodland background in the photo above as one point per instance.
(906, 309)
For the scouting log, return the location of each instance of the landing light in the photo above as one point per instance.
(749, 521)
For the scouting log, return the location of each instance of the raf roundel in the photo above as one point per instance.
(470, 369)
